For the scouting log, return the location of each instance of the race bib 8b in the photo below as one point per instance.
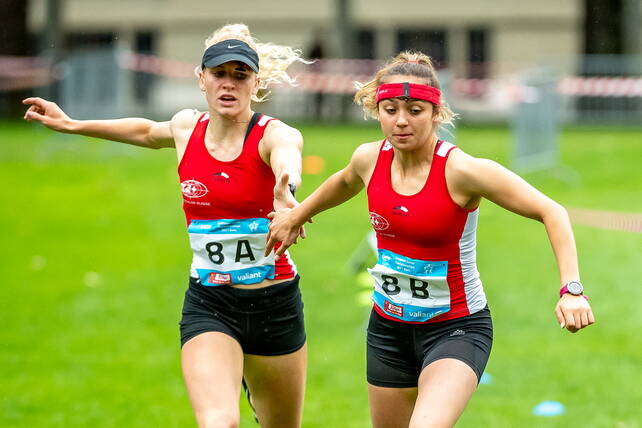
(410, 289)
(230, 251)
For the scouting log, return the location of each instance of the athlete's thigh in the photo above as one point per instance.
(445, 387)
(213, 368)
(277, 387)
(391, 407)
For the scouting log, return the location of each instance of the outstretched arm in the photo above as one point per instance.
(484, 178)
(135, 131)
(337, 189)
(283, 145)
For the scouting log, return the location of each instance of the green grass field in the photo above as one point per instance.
(94, 264)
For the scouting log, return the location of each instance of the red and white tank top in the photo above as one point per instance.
(226, 204)
(426, 269)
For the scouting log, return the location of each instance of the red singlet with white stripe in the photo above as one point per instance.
(226, 204)
(426, 269)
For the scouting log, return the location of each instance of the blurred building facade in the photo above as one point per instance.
(470, 39)
(506, 34)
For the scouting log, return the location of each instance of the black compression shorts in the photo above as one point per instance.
(397, 352)
(265, 321)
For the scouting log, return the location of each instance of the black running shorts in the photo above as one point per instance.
(397, 352)
(265, 321)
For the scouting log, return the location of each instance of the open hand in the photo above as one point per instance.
(283, 229)
(48, 113)
(284, 200)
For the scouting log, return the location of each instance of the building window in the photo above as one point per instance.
(365, 42)
(144, 43)
(91, 71)
(477, 54)
(74, 41)
(431, 42)
(603, 27)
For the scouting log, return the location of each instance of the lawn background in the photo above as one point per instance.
(94, 263)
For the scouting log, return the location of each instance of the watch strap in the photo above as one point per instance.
(564, 290)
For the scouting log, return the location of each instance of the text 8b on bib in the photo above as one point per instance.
(410, 289)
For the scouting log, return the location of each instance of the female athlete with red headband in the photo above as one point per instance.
(430, 330)
(242, 315)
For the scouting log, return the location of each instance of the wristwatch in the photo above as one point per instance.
(572, 287)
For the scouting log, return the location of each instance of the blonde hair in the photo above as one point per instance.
(410, 63)
(273, 59)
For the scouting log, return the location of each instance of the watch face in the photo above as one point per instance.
(574, 287)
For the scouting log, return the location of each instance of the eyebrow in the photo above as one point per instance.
(405, 99)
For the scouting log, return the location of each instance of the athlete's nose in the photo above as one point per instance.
(228, 84)
(402, 121)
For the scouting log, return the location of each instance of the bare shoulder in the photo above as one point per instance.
(277, 131)
(185, 120)
(182, 125)
(459, 161)
(366, 152)
(364, 159)
(465, 165)
(471, 174)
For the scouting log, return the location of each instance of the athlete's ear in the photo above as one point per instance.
(201, 78)
(255, 89)
(436, 117)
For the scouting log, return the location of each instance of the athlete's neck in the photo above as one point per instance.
(225, 130)
(409, 160)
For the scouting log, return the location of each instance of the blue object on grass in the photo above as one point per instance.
(548, 408)
(486, 379)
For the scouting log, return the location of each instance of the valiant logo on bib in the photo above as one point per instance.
(246, 276)
(193, 189)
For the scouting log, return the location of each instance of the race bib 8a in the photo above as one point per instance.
(410, 289)
(230, 251)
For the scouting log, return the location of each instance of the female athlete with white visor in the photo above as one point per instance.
(242, 314)
(430, 330)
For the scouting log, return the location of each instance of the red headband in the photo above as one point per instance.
(409, 90)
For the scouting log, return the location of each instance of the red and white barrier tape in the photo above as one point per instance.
(331, 76)
(337, 76)
(607, 220)
(601, 86)
(17, 73)
(155, 65)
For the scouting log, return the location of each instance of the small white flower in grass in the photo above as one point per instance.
(93, 279)
(38, 263)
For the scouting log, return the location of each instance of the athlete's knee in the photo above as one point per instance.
(217, 419)
(432, 423)
(434, 419)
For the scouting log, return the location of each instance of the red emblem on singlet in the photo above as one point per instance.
(378, 221)
(193, 189)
